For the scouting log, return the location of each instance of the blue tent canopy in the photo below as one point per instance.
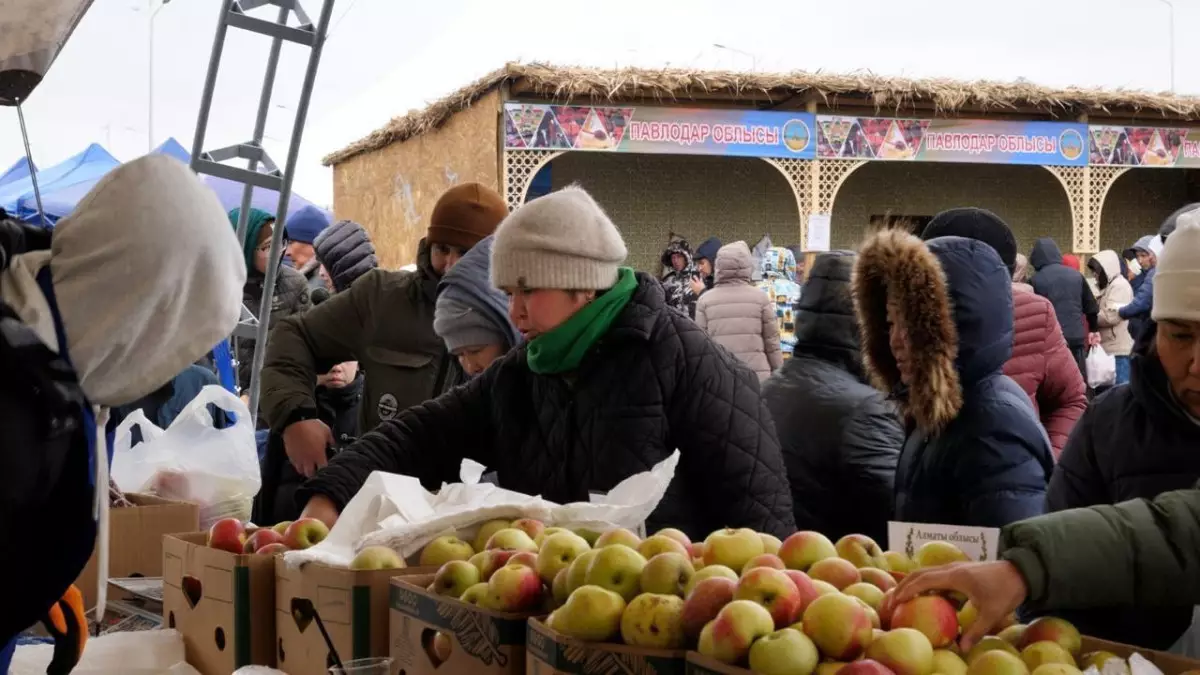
(62, 185)
(19, 170)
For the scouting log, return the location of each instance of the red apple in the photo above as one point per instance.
(802, 549)
(525, 558)
(933, 615)
(772, 589)
(878, 578)
(840, 573)
(272, 549)
(704, 602)
(515, 588)
(261, 538)
(529, 526)
(228, 534)
(764, 560)
(305, 533)
(804, 584)
(865, 667)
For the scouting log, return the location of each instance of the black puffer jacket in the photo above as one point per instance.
(291, 297)
(840, 436)
(346, 252)
(654, 383)
(1134, 442)
(1066, 289)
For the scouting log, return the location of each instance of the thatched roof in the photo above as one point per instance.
(782, 91)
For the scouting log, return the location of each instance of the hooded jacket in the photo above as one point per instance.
(1134, 442)
(678, 283)
(466, 295)
(654, 383)
(1066, 289)
(738, 316)
(385, 322)
(1137, 312)
(346, 252)
(840, 436)
(707, 250)
(1115, 293)
(169, 291)
(975, 453)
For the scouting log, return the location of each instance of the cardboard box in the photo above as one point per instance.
(1170, 664)
(352, 606)
(223, 604)
(551, 653)
(135, 540)
(482, 642)
(703, 665)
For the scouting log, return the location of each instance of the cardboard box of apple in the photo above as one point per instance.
(234, 536)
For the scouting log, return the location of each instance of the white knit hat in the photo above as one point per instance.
(563, 240)
(1177, 279)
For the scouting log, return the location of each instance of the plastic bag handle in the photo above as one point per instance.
(124, 432)
(223, 399)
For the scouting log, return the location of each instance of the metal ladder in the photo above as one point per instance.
(234, 13)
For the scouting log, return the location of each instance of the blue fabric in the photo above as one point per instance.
(18, 170)
(261, 438)
(306, 224)
(6, 655)
(989, 466)
(1122, 370)
(62, 185)
(708, 249)
(1137, 312)
(223, 360)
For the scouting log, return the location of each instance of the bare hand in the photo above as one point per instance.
(306, 443)
(1093, 339)
(995, 588)
(321, 508)
(697, 286)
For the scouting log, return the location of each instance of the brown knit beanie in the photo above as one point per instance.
(465, 214)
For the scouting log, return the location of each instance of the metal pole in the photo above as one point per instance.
(285, 193)
(210, 83)
(37, 193)
(1171, 38)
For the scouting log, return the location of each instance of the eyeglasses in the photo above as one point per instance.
(265, 247)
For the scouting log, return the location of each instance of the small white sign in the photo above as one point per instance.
(979, 543)
(817, 238)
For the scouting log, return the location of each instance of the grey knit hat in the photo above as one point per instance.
(461, 325)
(563, 240)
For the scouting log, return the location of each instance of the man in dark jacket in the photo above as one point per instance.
(840, 436)
(706, 259)
(611, 382)
(385, 322)
(303, 228)
(938, 329)
(1137, 313)
(1068, 291)
(346, 252)
(1140, 440)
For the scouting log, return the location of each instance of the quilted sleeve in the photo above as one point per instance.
(727, 439)
(870, 449)
(1077, 480)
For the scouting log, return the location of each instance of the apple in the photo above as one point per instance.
(824, 587)
(732, 548)
(617, 568)
(861, 550)
(784, 652)
(526, 558)
(618, 536)
(772, 589)
(558, 589)
(878, 578)
(305, 533)
(490, 561)
(454, 578)
(590, 536)
(441, 647)
(667, 573)
(476, 595)
(1067, 669)
(764, 560)
(515, 588)
(967, 616)
(379, 558)
(228, 534)
(904, 650)
(487, 530)
(802, 549)
(933, 615)
(771, 543)
(836, 571)
(709, 572)
(871, 613)
(444, 549)
(839, 625)
(729, 636)
(660, 544)
(1053, 629)
(938, 553)
(511, 539)
(654, 620)
(260, 538)
(946, 662)
(704, 602)
(592, 614)
(558, 552)
(804, 584)
(834, 667)
(1014, 634)
(864, 667)
(989, 644)
(868, 593)
(577, 572)
(529, 526)
(996, 662)
(548, 532)
(281, 527)
(1045, 651)
(898, 562)
(272, 549)
(1098, 659)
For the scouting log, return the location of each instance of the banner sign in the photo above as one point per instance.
(942, 140)
(1143, 146)
(979, 543)
(640, 129)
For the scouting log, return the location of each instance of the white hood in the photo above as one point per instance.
(147, 274)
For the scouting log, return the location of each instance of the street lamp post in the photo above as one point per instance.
(1171, 39)
(752, 57)
(153, 12)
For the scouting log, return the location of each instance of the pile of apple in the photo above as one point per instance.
(234, 536)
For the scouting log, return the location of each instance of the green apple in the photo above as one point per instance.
(618, 536)
(558, 552)
(377, 558)
(660, 544)
(771, 543)
(591, 614)
(861, 550)
(511, 539)
(444, 549)
(667, 573)
(905, 651)
(619, 569)
(544, 534)
(487, 530)
(709, 572)
(476, 595)
(732, 548)
(455, 577)
(653, 620)
(577, 572)
(784, 652)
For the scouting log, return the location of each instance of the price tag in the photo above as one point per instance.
(979, 543)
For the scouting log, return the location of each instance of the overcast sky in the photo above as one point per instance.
(385, 57)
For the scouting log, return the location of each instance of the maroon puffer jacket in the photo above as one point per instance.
(1044, 367)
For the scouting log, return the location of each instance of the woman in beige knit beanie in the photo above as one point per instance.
(610, 382)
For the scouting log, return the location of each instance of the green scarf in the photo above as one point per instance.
(562, 349)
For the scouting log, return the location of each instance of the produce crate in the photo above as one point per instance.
(698, 664)
(551, 653)
(352, 605)
(1169, 664)
(481, 641)
(222, 603)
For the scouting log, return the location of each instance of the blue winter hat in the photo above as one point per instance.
(306, 224)
(708, 249)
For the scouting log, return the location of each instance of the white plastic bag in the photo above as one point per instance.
(192, 460)
(1101, 368)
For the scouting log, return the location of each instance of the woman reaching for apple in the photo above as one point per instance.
(610, 381)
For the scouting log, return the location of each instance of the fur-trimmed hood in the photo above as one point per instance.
(677, 246)
(955, 296)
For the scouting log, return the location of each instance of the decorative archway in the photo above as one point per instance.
(520, 166)
(1086, 189)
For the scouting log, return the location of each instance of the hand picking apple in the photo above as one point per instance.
(996, 589)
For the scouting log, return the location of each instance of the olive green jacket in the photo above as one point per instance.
(1137, 553)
